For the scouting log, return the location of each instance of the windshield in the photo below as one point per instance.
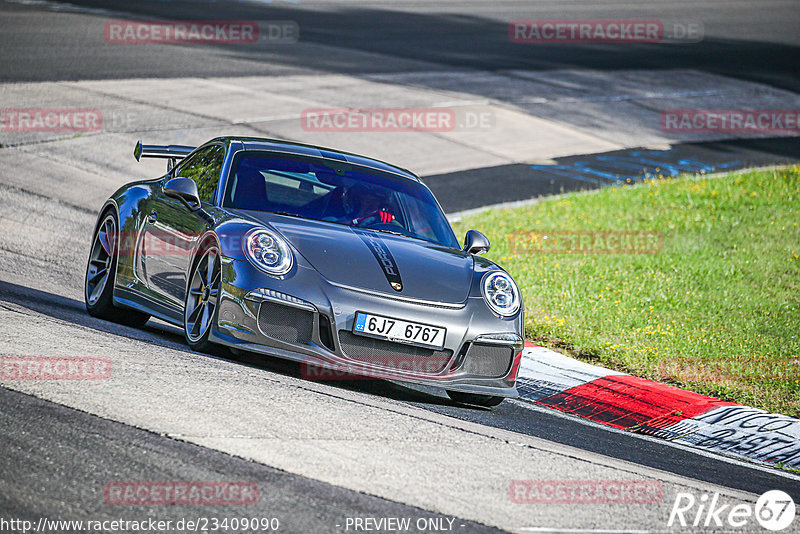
(336, 192)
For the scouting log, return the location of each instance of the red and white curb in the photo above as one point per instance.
(622, 401)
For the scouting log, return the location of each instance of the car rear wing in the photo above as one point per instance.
(172, 153)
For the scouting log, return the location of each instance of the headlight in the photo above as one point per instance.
(501, 293)
(268, 251)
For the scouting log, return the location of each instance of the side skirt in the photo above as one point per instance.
(128, 298)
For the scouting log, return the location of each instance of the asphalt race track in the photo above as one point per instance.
(91, 449)
(741, 40)
(323, 453)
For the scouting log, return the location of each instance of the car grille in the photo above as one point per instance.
(392, 355)
(488, 360)
(285, 323)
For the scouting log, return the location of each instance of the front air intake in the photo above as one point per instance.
(488, 360)
(393, 356)
(285, 323)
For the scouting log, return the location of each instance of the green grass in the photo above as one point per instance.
(715, 310)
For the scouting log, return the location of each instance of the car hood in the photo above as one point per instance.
(377, 261)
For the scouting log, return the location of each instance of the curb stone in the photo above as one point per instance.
(626, 402)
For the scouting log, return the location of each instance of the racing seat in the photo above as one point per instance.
(250, 190)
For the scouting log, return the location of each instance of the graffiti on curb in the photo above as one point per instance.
(742, 431)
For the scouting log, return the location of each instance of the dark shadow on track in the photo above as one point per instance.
(450, 41)
(475, 188)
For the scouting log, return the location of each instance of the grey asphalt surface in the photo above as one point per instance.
(64, 478)
(754, 41)
(54, 459)
(515, 416)
(751, 40)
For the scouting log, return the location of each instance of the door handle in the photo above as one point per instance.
(152, 217)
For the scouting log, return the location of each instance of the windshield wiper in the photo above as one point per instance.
(410, 236)
(287, 214)
(387, 231)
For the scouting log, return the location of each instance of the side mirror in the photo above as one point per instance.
(184, 189)
(476, 243)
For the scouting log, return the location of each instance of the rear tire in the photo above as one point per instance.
(101, 271)
(487, 401)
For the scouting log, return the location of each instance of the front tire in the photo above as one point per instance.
(98, 293)
(202, 295)
(487, 401)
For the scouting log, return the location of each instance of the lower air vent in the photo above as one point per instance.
(285, 323)
(326, 332)
(395, 356)
(488, 360)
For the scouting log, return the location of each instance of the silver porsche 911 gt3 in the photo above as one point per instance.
(341, 262)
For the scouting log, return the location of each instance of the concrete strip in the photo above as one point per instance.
(620, 106)
(484, 134)
(422, 153)
(501, 118)
(212, 99)
(42, 173)
(119, 114)
(519, 137)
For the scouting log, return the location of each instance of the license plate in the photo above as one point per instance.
(399, 331)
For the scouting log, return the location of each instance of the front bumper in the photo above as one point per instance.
(306, 318)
